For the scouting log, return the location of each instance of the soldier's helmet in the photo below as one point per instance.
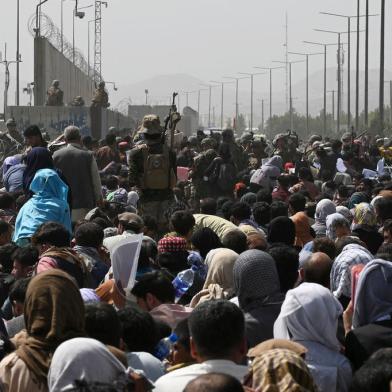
(151, 125)
(101, 84)
(208, 142)
(55, 83)
(11, 122)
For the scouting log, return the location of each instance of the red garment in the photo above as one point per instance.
(172, 244)
(106, 155)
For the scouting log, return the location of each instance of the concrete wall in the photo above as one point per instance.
(55, 119)
(49, 65)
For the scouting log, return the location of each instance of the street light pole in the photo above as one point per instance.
(307, 83)
(17, 52)
(333, 108)
(357, 73)
(88, 46)
(367, 65)
(236, 98)
(382, 48)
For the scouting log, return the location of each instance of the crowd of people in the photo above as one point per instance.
(258, 265)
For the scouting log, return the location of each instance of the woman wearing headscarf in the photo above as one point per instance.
(281, 229)
(279, 370)
(256, 283)
(324, 208)
(309, 316)
(351, 255)
(88, 360)
(372, 322)
(268, 173)
(49, 203)
(337, 226)
(219, 281)
(54, 313)
(365, 227)
(302, 229)
(342, 210)
(357, 198)
(13, 169)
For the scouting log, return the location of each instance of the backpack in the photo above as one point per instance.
(157, 171)
(227, 176)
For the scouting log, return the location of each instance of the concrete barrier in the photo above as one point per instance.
(55, 119)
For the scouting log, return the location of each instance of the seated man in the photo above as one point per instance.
(218, 344)
(155, 293)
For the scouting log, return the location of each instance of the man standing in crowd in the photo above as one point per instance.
(81, 172)
(152, 169)
(108, 153)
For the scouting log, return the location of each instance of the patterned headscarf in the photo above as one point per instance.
(345, 212)
(280, 370)
(256, 279)
(364, 214)
(324, 208)
(332, 221)
(171, 245)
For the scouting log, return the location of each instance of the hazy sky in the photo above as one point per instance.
(204, 38)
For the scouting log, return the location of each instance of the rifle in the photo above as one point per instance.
(171, 121)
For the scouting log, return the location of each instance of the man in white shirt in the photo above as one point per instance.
(218, 344)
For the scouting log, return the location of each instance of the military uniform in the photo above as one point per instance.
(54, 95)
(152, 169)
(101, 97)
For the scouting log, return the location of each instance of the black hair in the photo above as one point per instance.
(18, 290)
(287, 263)
(297, 202)
(4, 227)
(89, 234)
(387, 225)
(51, 233)
(241, 211)
(110, 139)
(208, 206)
(226, 209)
(284, 180)
(174, 262)
(32, 130)
(264, 195)
(102, 323)
(235, 240)
(279, 208)
(182, 222)
(385, 252)
(261, 213)
(343, 191)
(157, 284)
(216, 382)
(27, 256)
(375, 374)
(325, 245)
(208, 325)
(6, 201)
(342, 242)
(148, 253)
(111, 182)
(139, 330)
(204, 240)
(150, 222)
(305, 173)
(383, 207)
(6, 253)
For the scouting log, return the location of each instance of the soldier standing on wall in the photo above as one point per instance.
(101, 97)
(55, 95)
(152, 168)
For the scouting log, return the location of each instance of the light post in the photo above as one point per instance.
(29, 91)
(88, 45)
(77, 14)
(270, 86)
(290, 91)
(146, 94)
(333, 108)
(222, 96)
(17, 52)
(251, 75)
(307, 83)
(210, 87)
(198, 104)
(382, 48)
(236, 96)
(349, 17)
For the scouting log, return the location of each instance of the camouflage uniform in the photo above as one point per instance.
(54, 95)
(154, 202)
(13, 132)
(101, 97)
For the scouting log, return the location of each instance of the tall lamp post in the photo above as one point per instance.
(236, 79)
(290, 89)
(349, 17)
(210, 87)
(270, 87)
(307, 83)
(382, 48)
(251, 75)
(222, 96)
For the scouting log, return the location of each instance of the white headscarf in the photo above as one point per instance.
(83, 358)
(309, 312)
(331, 222)
(133, 198)
(373, 298)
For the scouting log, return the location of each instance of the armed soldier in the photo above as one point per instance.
(101, 97)
(55, 95)
(152, 168)
(13, 132)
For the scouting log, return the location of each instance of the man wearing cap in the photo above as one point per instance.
(81, 172)
(152, 170)
(128, 224)
(12, 131)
